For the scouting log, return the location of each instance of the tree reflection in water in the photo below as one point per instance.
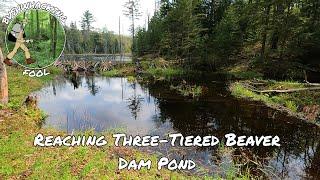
(299, 154)
(134, 102)
(75, 80)
(91, 84)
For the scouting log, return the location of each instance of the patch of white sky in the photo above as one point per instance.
(106, 12)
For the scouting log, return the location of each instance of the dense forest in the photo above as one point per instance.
(217, 30)
(87, 39)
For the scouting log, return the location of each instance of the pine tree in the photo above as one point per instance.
(132, 11)
(87, 20)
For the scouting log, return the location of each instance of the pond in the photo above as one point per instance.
(78, 103)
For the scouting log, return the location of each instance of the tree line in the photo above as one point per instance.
(218, 29)
(86, 39)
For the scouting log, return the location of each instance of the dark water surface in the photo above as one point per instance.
(85, 102)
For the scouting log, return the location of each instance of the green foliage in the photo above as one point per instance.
(111, 73)
(21, 86)
(228, 35)
(188, 90)
(167, 73)
(132, 11)
(218, 30)
(120, 71)
(131, 79)
(88, 41)
(174, 32)
(284, 85)
(291, 105)
(87, 20)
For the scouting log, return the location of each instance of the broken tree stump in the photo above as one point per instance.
(4, 95)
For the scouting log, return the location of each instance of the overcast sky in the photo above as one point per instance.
(106, 12)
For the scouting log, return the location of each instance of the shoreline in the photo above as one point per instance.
(289, 107)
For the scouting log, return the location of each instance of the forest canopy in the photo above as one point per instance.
(209, 30)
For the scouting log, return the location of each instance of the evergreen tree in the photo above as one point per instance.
(132, 11)
(87, 20)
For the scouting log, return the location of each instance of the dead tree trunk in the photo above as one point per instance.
(4, 96)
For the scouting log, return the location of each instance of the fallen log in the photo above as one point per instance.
(291, 90)
(282, 91)
(312, 84)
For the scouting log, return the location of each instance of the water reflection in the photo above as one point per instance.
(77, 103)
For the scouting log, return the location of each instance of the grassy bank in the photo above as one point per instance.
(120, 71)
(305, 104)
(254, 81)
(20, 159)
(21, 86)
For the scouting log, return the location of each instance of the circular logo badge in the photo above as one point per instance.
(35, 39)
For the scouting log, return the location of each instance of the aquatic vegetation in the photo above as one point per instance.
(188, 90)
(165, 72)
(236, 167)
(120, 71)
(131, 79)
(291, 105)
(111, 73)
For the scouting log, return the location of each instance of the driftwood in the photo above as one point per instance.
(287, 90)
(313, 84)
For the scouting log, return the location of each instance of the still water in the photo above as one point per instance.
(78, 103)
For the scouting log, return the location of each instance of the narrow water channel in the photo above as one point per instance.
(99, 103)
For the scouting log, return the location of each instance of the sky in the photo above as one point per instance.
(106, 12)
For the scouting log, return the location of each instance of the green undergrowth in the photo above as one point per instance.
(120, 71)
(166, 73)
(20, 86)
(188, 90)
(112, 73)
